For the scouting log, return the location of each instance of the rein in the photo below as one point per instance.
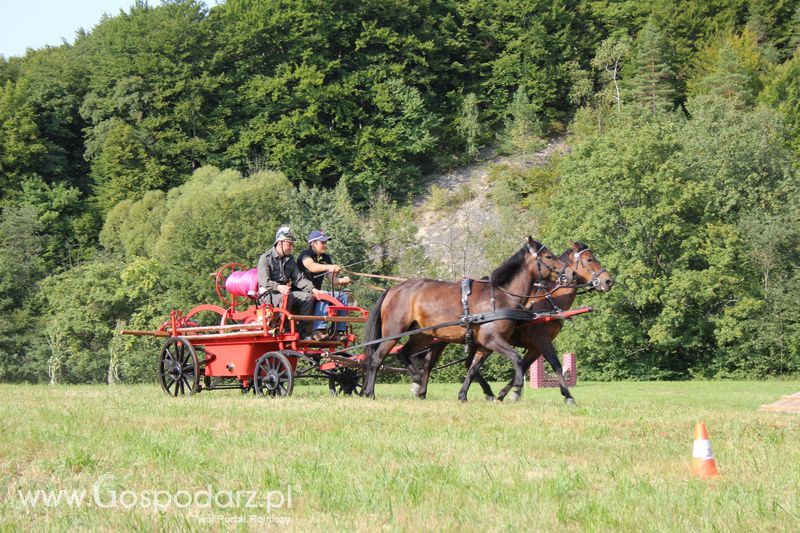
(536, 285)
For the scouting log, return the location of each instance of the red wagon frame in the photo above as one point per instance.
(257, 349)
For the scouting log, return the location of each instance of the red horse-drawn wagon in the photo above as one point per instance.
(256, 349)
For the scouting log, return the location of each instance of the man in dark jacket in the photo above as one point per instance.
(278, 276)
(317, 265)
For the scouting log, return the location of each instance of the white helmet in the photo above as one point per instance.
(284, 233)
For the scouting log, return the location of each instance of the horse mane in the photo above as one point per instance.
(503, 274)
(581, 247)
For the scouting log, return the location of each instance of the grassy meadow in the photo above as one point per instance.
(618, 461)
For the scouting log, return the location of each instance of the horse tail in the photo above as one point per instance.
(374, 328)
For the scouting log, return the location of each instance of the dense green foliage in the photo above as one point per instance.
(698, 221)
(169, 140)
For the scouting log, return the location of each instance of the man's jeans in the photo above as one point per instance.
(321, 309)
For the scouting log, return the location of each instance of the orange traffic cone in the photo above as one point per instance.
(703, 464)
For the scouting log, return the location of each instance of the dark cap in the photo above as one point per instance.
(317, 235)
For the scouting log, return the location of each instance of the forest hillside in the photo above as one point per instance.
(172, 138)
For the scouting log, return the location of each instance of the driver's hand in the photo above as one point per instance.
(335, 269)
(344, 280)
(283, 289)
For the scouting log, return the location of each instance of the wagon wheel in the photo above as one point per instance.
(178, 367)
(348, 381)
(273, 375)
(220, 276)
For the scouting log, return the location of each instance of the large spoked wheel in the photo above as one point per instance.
(347, 382)
(179, 368)
(273, 375)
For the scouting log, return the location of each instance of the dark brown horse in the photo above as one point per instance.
(537, 338)
(423, 303)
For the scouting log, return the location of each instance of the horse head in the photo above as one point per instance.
(588, 270)
(546, 266)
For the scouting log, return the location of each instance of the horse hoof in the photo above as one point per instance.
(462, 399)
(570, 402)
(489, 398)
(415, 388)
(513, 397)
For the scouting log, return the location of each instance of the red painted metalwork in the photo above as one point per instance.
(233, 344)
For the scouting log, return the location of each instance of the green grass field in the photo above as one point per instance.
(619, 461)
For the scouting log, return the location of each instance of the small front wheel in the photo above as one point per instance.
(273, 375)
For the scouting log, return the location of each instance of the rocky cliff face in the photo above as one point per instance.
(456, 218)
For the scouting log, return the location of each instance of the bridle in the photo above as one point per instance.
(561, 280)
(590, 285)
(594, 282)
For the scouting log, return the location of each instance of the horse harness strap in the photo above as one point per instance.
(468, 320)
(466, 290)
(518, 315)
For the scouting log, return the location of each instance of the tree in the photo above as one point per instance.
(388, 152)
(522, 126)
(21, 262)
(132, 228)
(22, 151)
(152, 103)
(526, 43)
(201, 231)
(609, 59)
(58, 206)
(731, 67)
(58, 352)
(782, 92)
(123, 168)
(85, 302)
(468, 125)
(333, 212)
(651, 80)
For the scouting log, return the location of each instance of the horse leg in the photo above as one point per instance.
(409, 350)
(529, 358)
(502, 346)
(549, 353)
(487, 390)
(474, 367)
(373, 364)
(431, 358)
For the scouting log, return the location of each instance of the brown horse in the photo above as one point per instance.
(537, 338)
(424, 303)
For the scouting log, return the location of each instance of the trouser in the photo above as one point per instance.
(321, 309)
(300, 303)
